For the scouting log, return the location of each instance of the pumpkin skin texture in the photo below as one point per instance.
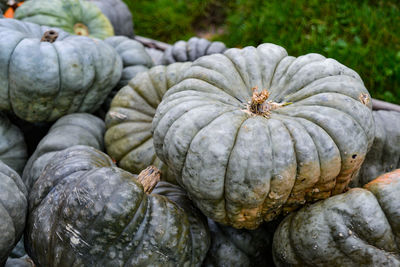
(243, 161)
(88, 212)
(20, 262)
(70, 130)
(74, 16)
(128, 138)
(357, 228)
(191, 50)
(13, 210)
(118, 14)
(13, 151)
(156, 55)
(384, 155)
(42, 81)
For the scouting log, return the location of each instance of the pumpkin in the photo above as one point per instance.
(384, 155)
(13, 210)
(70, 130)
(74, 16)
(357, 228)
(13, 150)
(20, 262)
(191, 50)
(128, 138)
(240, 247)
(47, 73)
(84, 211)
(156, 55)
(253, 132)
(118, 14)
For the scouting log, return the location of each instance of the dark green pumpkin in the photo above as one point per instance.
(74, 16)
(191, 50)
(13, 210)
(44, 80)
(253, 132)
(70, 130)
(84, 211)
(358, 228)
(128, 138)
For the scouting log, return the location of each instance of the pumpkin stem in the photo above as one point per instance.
(149, 178)
(81, 29)
(49, 36)
(259, 106)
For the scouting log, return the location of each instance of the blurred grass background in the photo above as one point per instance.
(362, 34)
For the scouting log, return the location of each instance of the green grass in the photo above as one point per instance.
(364, 35)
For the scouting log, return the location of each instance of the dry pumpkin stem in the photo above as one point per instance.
(49, 36)
(149, 178)
(364, 98)
(81, 29)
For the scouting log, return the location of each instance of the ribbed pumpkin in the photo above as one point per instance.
(156, 55)
(84, 211)
(384, 155)
(191, 50)
(13, 210)
(128, 138)
(70, 130)
(254, 132)
(13, 151)
(47, 73)
(358, 228)
(118, 14)
(74, 16)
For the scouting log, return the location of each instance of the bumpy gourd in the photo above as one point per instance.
(74, 16)
(47, 73)
(84, 211)
(358, 228)
(13, 151)
(128, 138)
(191, 50)
(384, 155)
(13, 210)
(70, 130)
(254, 132)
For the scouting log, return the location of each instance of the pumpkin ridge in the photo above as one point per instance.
(160, 96)
(8, 73)
(134, 147)
(142, 98)
(55, 98)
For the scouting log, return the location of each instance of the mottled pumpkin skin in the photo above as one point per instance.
(13, 210)
(119, 15)
(128, 138)
(358, 228)
(241, 168)
(13, 151)
(384, 155)
(20, 262)
(240, 247)
(84, 211)
(42, 81)
(67, 15)
(191, 50)
(70, 130)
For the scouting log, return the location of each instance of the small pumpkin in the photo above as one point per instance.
(70, 130)
(47, 73)
(357, 228)
(13, 210)
(253, 132)
(128, 138)
(191, 50)
(74, 16)
(384, 155)
(84, 211)
(156, 55)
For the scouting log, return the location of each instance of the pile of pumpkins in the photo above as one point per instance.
(116, 154)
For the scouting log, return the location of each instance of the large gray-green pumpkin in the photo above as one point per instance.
(13, 151)
(358, 228)
(384, 155)
(44, 80)
(13, 210)
(70, 130)
(254, 132)
(119, 15)
(128, 138)
(74, 16)
(191, 50)
(84, 211)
